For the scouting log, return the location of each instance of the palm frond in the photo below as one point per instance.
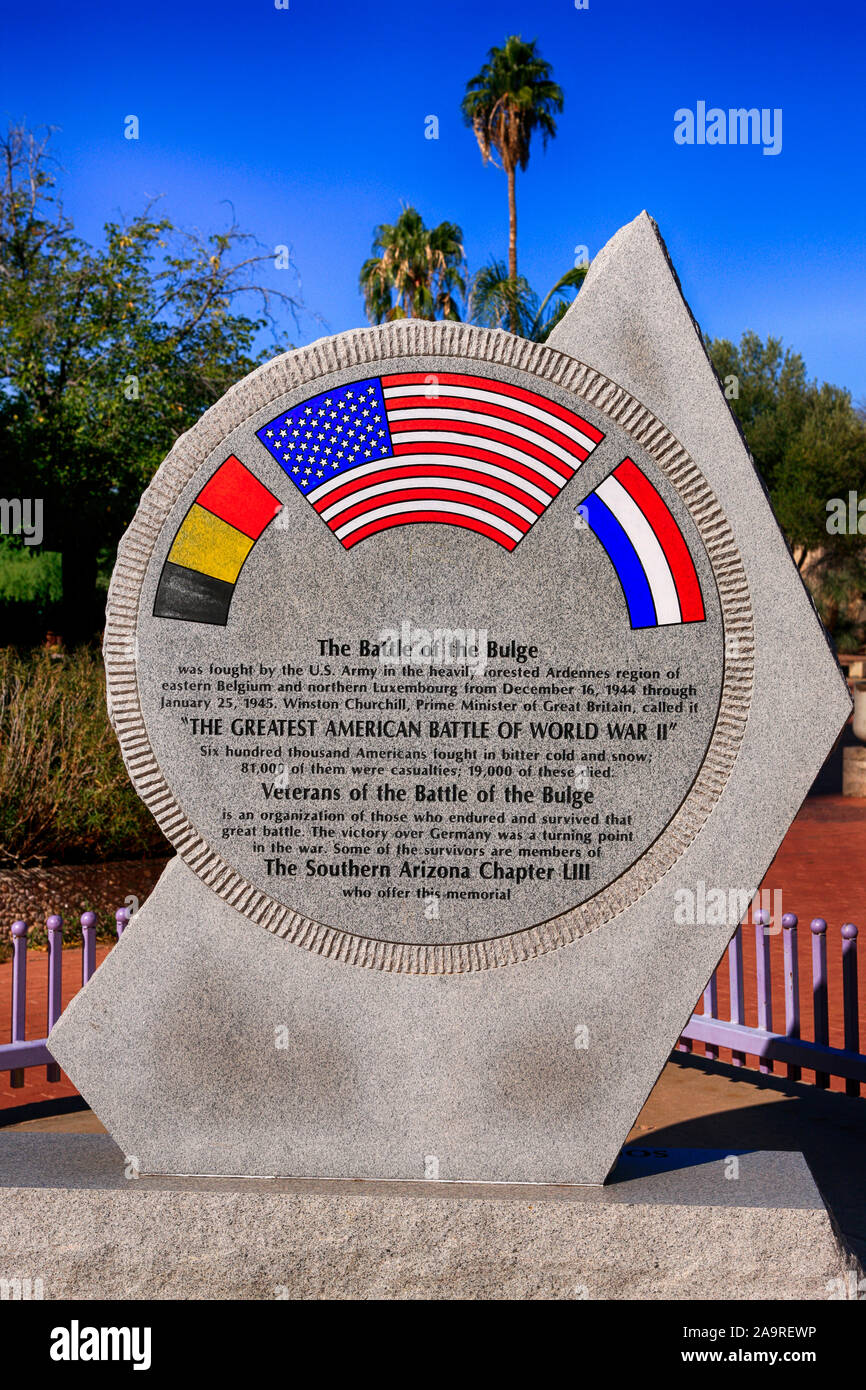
(497, 301)
(415, 271)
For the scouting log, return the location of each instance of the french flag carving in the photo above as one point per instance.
(647, 549)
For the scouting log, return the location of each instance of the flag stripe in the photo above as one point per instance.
(192, 597)
(432, 494)
(420, 476)
(236, 496)
(435, 511)
(538, 444)
(412, 465)
(208, 544)
(469, 523)
(491, 403)
(629, 570)
(443, 442)
(518, 393)
(670, 538)
(646, 544)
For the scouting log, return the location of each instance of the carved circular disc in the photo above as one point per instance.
(429, 649)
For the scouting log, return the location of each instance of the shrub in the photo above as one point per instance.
(64, 791)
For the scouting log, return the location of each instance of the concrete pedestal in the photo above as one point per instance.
(671, 1224)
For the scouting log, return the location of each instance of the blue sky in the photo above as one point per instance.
(311, 121)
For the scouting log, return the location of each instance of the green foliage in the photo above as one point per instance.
(511, 99)
(28, 575)
(809, 444)
(107, 354)
(415, 272)
(64, 792)
(497, 301)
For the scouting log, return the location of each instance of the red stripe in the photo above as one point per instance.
(235, 495)
(484, 455)
(670, 538)
(410, 518)
(485, 383)
(501, 412)
(485, 432)
(420, 470)
(433, 494)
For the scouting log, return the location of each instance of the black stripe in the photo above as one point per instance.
(191, 596)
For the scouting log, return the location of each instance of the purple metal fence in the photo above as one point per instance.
(23, 1052)
(788, 1048)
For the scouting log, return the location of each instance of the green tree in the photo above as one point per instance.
(415, 272)
(498, 301)
(511, 99)
(107, 354)
(809, 444)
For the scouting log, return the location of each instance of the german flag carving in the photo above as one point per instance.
(212, 544)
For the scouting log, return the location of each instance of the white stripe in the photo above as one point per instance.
(397, 507)
(492, 470)
(455, 484)
(649, 551)
(511, 402)
(491, 445)
(476, 421)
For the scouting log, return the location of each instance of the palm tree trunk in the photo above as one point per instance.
(512, 238)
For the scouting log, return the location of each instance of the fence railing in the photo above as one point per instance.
(769, 1046)
(24, 1052)
(787, 1048)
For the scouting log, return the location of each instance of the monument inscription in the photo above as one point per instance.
(433, 651)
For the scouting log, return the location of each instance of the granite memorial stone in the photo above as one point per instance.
(448, 663)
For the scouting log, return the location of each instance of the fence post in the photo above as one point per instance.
(819, 991)
(121, 917)
(735, 975)
(88, 958)
(792, 985)
(19, 993)
(850, 1003)
(711, 1010)
(54, 926)
(762, 959)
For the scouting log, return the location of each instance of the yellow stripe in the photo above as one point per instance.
(209, 545)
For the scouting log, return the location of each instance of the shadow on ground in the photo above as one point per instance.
(708, 1105)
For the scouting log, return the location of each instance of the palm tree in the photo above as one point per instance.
(496, 300)
(511, 98)
(418, 272)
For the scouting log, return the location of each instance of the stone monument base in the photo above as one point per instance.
(669, 1225)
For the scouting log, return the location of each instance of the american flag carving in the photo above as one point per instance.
(451, 448)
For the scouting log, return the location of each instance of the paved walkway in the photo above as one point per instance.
(708, 1105)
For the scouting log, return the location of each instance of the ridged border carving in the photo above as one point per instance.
(414, 338)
